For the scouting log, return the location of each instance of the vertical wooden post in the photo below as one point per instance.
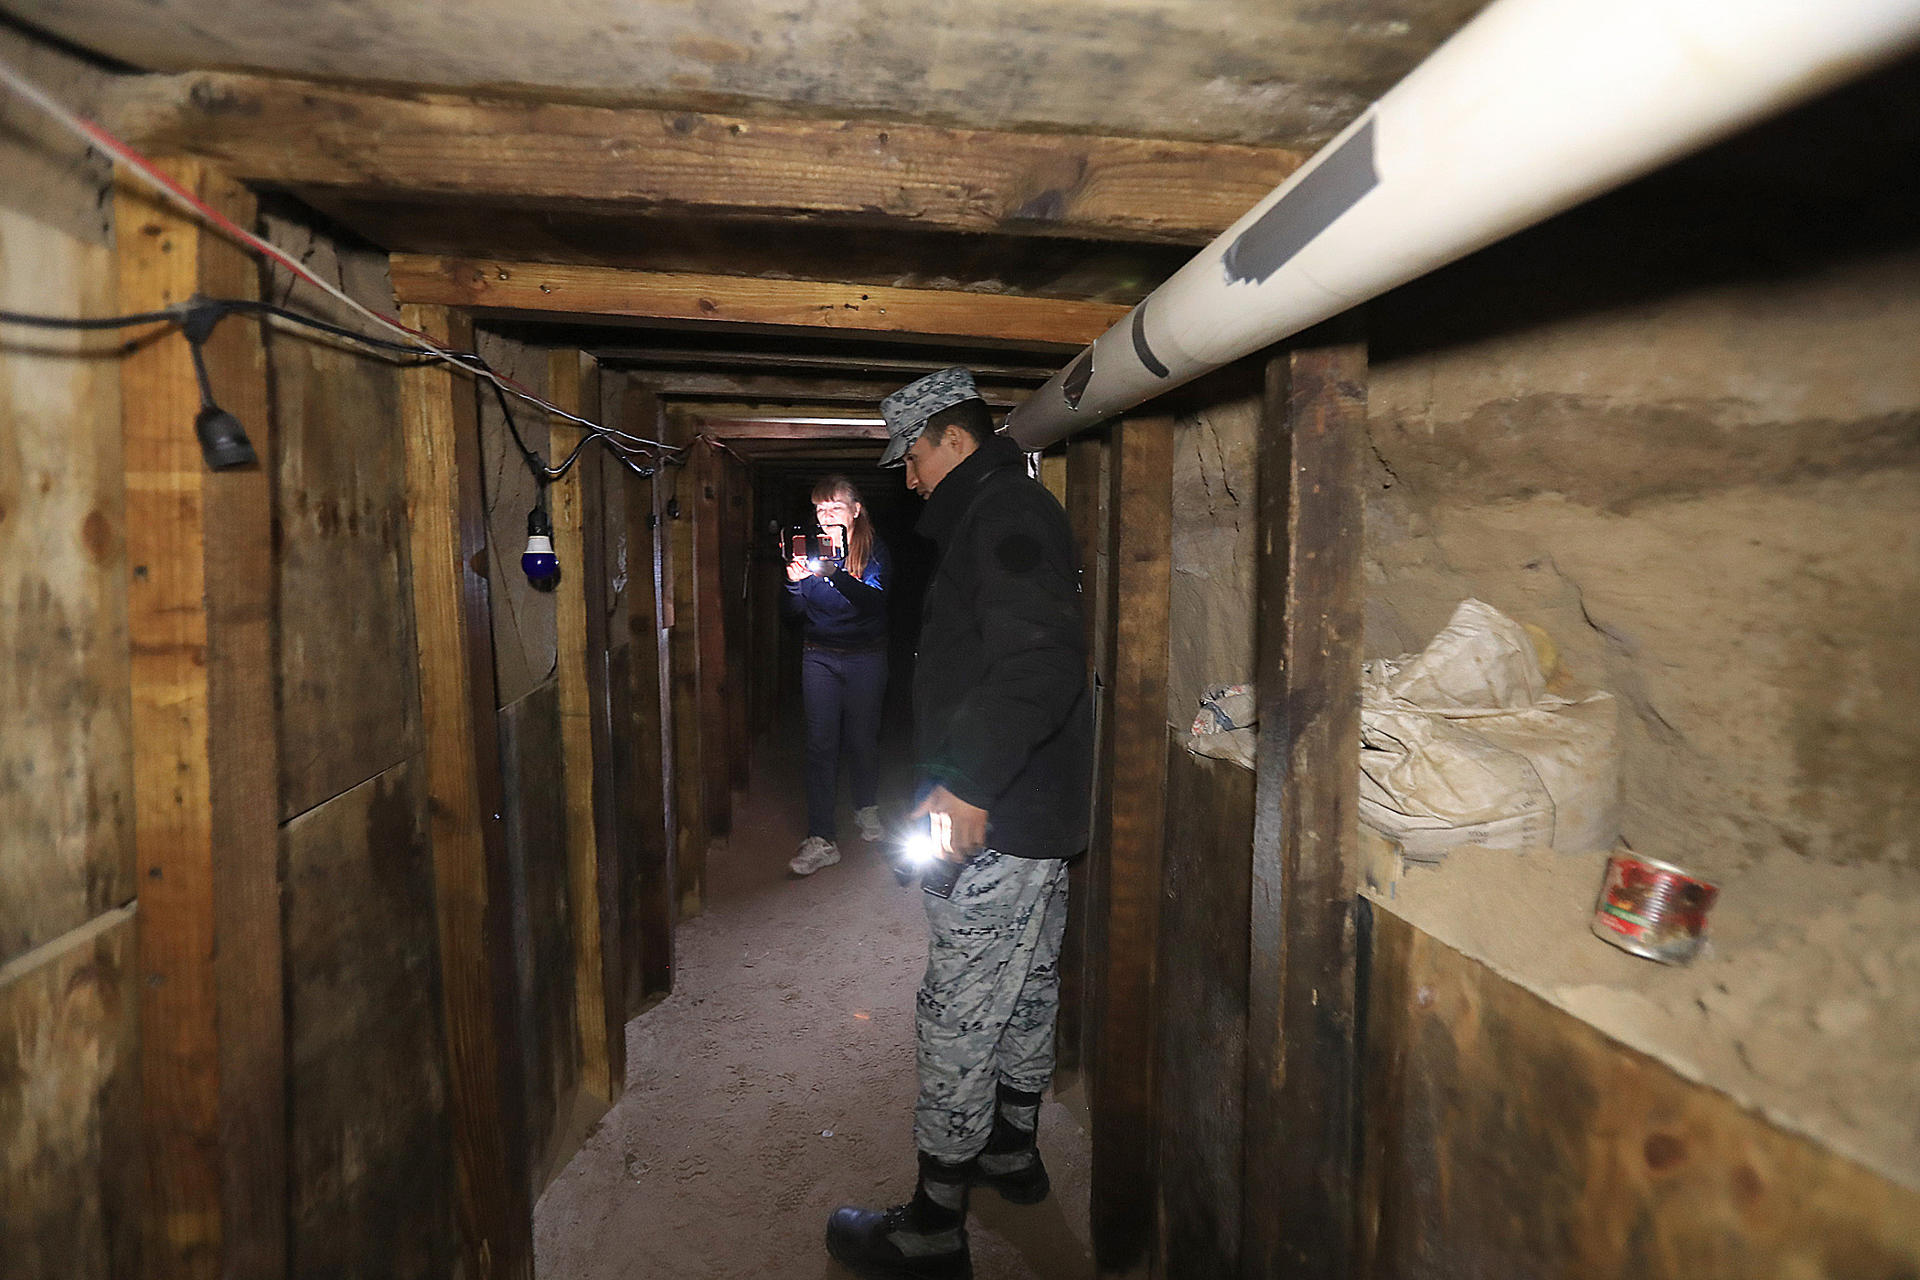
(710, 611)
(205, 760)
(586, 732)
(689, 737)
(448, 532)
(1121, 1089)
(652, 729)
(734, 550)
(1083, 483)
(1297, 1216)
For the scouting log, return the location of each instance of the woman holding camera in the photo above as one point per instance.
(843, 673)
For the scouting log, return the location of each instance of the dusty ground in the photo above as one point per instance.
(777, 1082)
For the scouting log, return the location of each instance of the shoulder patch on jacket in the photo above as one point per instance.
(1018, 552)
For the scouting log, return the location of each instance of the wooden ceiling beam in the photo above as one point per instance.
(649, 161)
(646, 361)
(783, 428)
(577, 292)
(776, 387)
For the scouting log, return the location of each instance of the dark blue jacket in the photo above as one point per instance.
(1002, 709)
(841, 610)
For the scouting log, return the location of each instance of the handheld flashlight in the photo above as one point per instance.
(920, 852)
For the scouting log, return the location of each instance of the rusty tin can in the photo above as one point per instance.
(1653, 908)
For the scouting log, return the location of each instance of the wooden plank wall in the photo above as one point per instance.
(1201, 989)
(472, 885)
(524, 622)
(370, 1161)
(650, 839)
(1506, 1137)
(69, 1065)
(370, 1139)
(708, 475)
(578, 502)
(690, 772)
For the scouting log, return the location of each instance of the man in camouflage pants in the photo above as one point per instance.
(1003, 739)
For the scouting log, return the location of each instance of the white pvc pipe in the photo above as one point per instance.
(1531, 108)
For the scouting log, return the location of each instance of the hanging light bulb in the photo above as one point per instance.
(538, 562)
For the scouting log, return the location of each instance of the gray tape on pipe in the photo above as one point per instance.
(1140, 347)
(1331, 188)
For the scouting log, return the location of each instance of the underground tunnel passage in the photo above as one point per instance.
(1488, 445)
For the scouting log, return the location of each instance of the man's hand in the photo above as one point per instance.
(796, 570)
(958, 827)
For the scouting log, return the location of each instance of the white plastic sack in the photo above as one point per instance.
(1462, 744)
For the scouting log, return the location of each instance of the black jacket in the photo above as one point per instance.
(1003, 715)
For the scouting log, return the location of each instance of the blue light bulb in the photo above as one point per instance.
(538, 561)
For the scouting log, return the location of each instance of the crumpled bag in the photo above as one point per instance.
(1463, 744)
(1224, 727)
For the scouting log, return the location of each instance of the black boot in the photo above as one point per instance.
(923, 1239)
(1011, 1163)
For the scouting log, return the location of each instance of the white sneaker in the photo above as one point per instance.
(815, 852)
(868, 820)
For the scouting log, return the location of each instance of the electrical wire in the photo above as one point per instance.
(170, 190)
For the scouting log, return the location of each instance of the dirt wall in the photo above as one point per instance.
(1680, 430)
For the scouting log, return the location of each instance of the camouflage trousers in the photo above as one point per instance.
(987, 1005)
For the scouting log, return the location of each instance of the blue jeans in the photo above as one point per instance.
(842, 692)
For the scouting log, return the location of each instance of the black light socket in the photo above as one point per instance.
(223, 442)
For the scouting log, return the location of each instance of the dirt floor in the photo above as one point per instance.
(777, 1082)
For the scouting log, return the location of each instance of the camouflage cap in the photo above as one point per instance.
(908, 409)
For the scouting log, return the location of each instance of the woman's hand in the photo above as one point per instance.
(796, 570)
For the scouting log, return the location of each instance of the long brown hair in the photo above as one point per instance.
(860, 537)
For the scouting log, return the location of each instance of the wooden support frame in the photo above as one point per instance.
(1297, 1216)
(796, 389)
(687, 297)
(293, 132)
(447, 524)
(690, 740)
(1135, 756)
(205, 760)
(586, 730)
(707, 472)
(648, 600)
(1085, 503)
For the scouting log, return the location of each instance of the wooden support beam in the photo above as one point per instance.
(1085, 503)
(648, 601)
(586, 730)
(783, 429)
(735, 537)
(1121, 1092)
(898, 369)
(448, 531)
(798, 389)
(205, 759)
(708, 503)
(690, 740)
(1297, 1217)
(613, 159)
(686, 297)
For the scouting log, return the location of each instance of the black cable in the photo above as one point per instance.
(198, 316)
(541, 476)
(88, 322)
